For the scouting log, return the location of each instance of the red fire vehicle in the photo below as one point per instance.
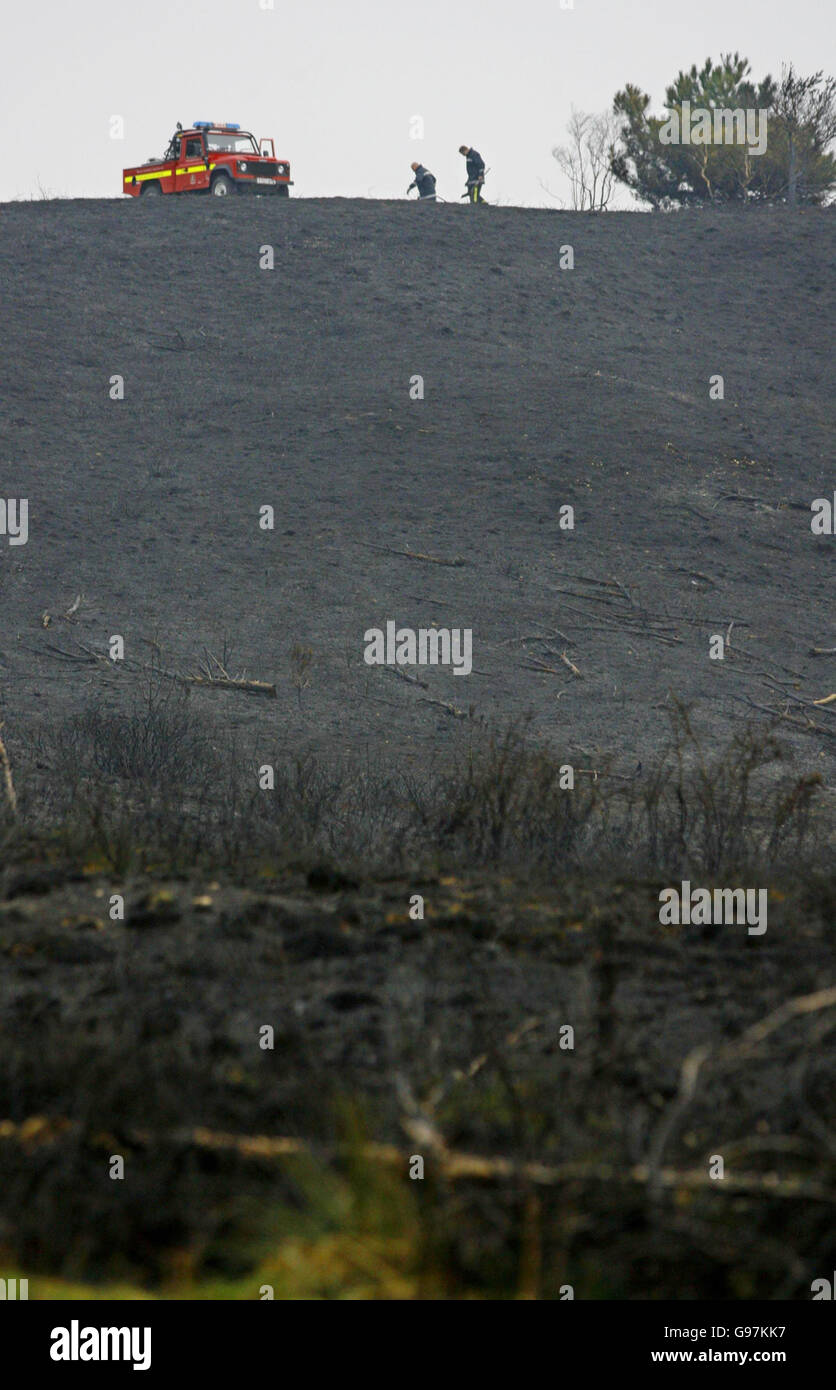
(210, 157)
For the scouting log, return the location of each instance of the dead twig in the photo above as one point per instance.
(245, 687)
(8, 784)
(535, 664)
(694, 574)
(596, 772)
(448, 708)
(95, 656)
(39, 1130)
(88, 658)
(427, 1107)
(806, 725)
(405, 676)
(214, 669)
(538, 637)
(738, 497)
(739, 1048)
(67, 616)
(608, 600)
(572, 667)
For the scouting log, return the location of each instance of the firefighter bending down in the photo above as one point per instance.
(424, 181)
(475, 174)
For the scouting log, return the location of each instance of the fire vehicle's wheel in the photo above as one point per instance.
(222, 186)
(151, 189)
(283, 190)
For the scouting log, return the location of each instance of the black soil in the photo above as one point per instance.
(543, 388)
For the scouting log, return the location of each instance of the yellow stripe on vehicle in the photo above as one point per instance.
(166, 173)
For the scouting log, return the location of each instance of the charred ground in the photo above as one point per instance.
(543, 387)
(290, 387)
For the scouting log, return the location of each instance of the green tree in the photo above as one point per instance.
(800, 115)
(805, 112)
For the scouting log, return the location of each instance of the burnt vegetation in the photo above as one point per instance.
(184, 793)
(547, 1164)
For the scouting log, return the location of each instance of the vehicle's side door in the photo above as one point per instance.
(168, 170)
(192, 171)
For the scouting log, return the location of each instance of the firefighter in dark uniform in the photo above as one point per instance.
(424, 181)
(475, 173)
(173, 151)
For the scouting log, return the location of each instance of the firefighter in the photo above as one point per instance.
(173, 151)
(424, 181)
(475, 174)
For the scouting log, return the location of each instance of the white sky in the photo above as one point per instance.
(336, 82)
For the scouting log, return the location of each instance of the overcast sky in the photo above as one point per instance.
(337, 82)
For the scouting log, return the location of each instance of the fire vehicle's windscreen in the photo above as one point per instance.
(231, 144)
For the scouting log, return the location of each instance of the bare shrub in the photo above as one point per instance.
(159, 741)
(721, 810)
(506, 800)
(160, 780)
(587, 158)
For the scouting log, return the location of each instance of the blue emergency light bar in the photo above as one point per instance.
(207, 125)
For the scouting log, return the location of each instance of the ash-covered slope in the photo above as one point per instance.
(543, 387)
